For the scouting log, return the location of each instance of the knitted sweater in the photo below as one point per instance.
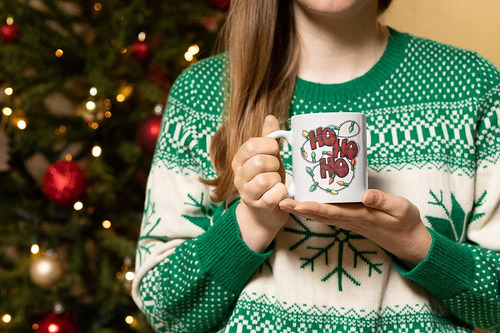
(432, 113)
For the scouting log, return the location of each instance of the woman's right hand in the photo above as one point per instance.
(259, 178)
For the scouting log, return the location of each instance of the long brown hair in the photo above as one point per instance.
(262, 51)
(262, 56)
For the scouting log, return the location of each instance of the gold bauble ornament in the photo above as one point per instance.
(45, 270)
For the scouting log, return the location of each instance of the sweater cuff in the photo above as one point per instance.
(447, 270)
(225, 256)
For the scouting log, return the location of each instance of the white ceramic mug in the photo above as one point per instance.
(328, 156)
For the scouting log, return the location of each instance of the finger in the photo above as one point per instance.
(258, 164)
(252, 147)
(388, 203)
(333, 211)
(260, 184)
(273, 196)
(271, 124)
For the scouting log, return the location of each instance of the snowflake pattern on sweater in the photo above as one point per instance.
(433, 137)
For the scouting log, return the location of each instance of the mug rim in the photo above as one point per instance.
(328, 113)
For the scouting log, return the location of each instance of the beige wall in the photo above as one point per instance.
(470, 24)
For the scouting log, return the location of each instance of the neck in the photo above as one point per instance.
(338, 47)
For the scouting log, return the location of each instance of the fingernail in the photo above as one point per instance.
(370, 198)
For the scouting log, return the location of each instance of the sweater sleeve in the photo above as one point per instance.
(191, 263)
(465, 277)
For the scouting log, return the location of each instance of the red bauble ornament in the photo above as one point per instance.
(140, 50)
(222, 5)
(9, 33)
(147, 133)
(56, 323)
(64, 183)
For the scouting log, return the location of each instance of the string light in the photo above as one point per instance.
(124, 92)
(21, 124)
(129, 276)
(107, 114)
(94, 125)
(188, 56)
(78, 205)
(90, 105)
(6, 318)
(191, 52)
(142, 36)
(106, 224)
(96, 151)
(53, 328)
(68, 157)
(93, 91)
(10, 21)
(97, 6)
(35, 248)
(194, 49)
(62, 129)
(7, 111)
(129, 320)
(8, 91)
(59, 53)
(158, 109)
(35, 326)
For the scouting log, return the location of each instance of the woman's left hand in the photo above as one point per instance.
(391, 221)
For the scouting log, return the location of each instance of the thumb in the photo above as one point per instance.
(386, 202)
(271, 124)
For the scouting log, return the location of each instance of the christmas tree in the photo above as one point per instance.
(83, 85)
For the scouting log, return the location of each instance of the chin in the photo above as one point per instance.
(331, 6)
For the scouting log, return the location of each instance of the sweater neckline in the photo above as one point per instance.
(383, 68)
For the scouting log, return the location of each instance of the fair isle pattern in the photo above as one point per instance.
(435, 110)
(484, 294)
(259, 313)
(167, 297)
(415, 119)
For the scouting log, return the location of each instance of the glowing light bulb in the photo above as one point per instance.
(129, 276)
(96, 151)
(9, 21)
(93, 91)
(142, 36)
(8, 91)
(35, 248)
(129, 319)
(120, 98)
(106, 224)
(53, 328)
(194, 49)
(6, 318)
(188, 56)
(78, 205)
(7, 111)
(21, 124)
(59, 53)
(68, 157)
(90, 105)
(97, 6)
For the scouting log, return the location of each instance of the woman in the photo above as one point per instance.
(220, 248)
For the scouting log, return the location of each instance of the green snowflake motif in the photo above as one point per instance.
(203, 221)
(339, 240)
(455, 224)
(149, 212)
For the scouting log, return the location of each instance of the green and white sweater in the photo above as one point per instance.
(433, 137)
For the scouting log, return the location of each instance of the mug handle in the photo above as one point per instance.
(288, 136)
